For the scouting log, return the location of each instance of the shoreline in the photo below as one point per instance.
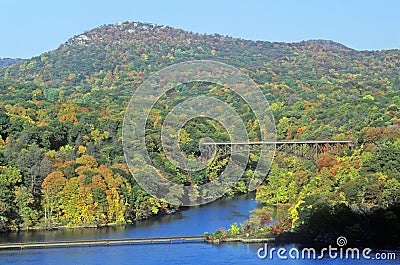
(240, 240)
(88, 226)
(172, 211)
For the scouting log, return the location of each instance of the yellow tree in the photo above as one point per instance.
(52, 186)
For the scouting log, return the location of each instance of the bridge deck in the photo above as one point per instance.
(104, 242)
(282, 142)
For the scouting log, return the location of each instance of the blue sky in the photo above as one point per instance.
(31, 27)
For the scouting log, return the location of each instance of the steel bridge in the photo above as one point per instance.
(303, 149)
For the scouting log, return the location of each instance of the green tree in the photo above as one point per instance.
(24, 202)
(9, 178)
(4, 125)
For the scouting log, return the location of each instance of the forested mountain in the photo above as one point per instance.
(61, 115)
(4, 62)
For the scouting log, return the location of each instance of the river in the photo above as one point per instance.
(194, 221)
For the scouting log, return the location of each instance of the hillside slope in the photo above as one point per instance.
(61, 115)
(119, 57)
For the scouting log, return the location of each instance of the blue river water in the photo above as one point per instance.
(194, 221)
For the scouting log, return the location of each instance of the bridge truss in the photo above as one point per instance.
(303, 149)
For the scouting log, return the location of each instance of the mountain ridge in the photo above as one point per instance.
(321, 42)
(108, 46)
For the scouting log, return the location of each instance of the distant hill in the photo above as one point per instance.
(147, 48)
(116, 58)
(4, 62)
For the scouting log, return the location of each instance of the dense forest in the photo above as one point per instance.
(61, 114)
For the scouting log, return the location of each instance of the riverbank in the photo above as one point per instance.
(240, 240)
(58, 227)
(44, 227)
